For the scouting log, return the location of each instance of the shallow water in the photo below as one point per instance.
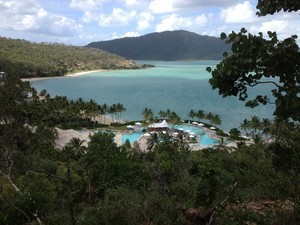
(178, 86)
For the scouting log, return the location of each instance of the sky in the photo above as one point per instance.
(79, 22)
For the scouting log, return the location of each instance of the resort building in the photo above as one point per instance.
(163, 126)
(2, 74)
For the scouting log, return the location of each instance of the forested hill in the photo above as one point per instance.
(28, 59)
(168, 45)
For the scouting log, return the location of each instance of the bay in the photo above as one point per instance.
(179, 86)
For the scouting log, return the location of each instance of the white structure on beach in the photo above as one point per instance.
(163, 126)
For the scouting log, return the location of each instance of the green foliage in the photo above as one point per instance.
(266, 7)
(214, 119)
(109, 184)
(26, 59)
(258, 61)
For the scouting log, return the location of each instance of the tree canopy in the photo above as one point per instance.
(266, 7)
(256, 60)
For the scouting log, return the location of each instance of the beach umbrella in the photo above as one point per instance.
(129, 126)
(192, 133)
(195, 123)
(175, 133)
(138, 123)
(201, 124)
(180, 129)
(212, 128)
(147, 135)
(192, 136)
(188, 131)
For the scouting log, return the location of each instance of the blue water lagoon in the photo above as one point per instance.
(178, 86)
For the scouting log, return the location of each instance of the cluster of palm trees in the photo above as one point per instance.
(256, 128)
(214, 119)
(179, 142)
(174, 118)
(61, 109)
(169, 115)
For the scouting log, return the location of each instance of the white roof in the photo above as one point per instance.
(163, 124)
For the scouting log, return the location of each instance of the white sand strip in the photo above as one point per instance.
(68, 75)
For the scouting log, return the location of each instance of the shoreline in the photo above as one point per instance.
(77, 74)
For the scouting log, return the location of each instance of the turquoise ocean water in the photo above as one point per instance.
(178, 86)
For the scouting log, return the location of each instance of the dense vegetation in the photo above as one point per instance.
(168, 45)
(256, 182)
(28, 59)
(106, 184)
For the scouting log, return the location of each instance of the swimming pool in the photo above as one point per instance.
(131, 137)
(206, 140)
(193, 129)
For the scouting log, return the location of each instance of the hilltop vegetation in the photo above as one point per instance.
(256, 182)
(168, 45)
(28, 59)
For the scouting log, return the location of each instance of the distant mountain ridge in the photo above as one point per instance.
(167, 45)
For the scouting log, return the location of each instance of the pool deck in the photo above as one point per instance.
(64, 136)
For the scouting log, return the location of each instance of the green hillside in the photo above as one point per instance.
(28, 59)
(168, 45)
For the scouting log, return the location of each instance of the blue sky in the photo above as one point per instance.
(79, 22)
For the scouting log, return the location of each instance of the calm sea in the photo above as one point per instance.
(178, 86)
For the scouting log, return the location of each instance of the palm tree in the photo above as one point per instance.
(81, 105)
(174, 119)
(152, 141)
(162, 114)
(266, 126)
(119, 109)
(113, 110)
(209, 117)
(105, 109)
(181, 143)
(200, 114)
(148, 114)
(245, 125)
(216, 120)
(75, 148)
(255, 123)
(92, 110)
(192, 114)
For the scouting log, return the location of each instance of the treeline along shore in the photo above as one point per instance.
(31, 60)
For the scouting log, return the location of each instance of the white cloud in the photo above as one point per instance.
(29, 16)
(87, 4)
(131, 34)
(127, 34)
(117, 17)
(131, 3)
(89, 16)
(240, 13)
(201, 20)
(174, 22)
(284, 25)
(170, 6)
(159, 6)
(143, 21)
(201, 3)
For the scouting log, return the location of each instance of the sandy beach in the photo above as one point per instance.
(67, 75)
